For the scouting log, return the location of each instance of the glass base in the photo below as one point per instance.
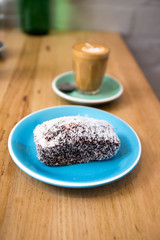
(89, 92)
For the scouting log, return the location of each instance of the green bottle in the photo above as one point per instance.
(35, 16)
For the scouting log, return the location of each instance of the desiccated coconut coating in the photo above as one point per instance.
(75, 139)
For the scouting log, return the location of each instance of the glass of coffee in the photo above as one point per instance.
(89, 65)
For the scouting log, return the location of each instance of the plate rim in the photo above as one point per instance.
(80, 100)
(69, 184)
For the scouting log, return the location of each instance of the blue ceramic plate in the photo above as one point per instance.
(23, 151)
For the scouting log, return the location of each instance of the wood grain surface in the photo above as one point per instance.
(30, 209)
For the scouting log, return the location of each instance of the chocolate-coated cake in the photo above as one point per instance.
(75, 139)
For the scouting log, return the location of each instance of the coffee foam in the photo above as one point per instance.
(92, 49)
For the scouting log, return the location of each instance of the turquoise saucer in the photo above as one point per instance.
(110, 90)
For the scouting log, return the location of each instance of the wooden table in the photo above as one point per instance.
(30, 209)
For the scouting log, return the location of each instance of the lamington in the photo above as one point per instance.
(75, 139)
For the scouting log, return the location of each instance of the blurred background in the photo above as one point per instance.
(138, 21)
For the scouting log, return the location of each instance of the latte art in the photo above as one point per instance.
(92, 49)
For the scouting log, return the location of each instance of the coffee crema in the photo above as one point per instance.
(93, 49)
(89, 64)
